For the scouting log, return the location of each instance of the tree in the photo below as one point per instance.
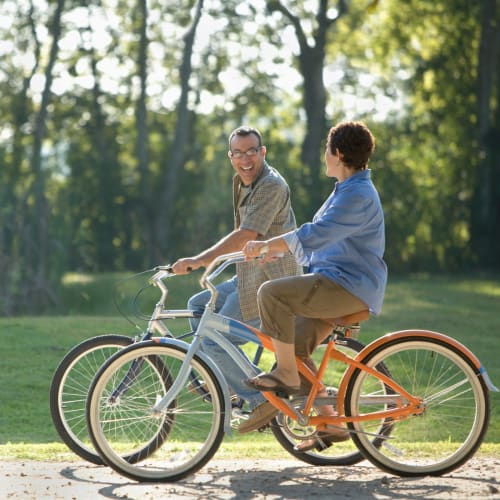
(16, 112)
(41, 214)
(311, 63)
(175, 161)
(26, 245)
(142, 143)
(433, 59)
(485, 212)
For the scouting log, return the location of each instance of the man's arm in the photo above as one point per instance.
(233, 242)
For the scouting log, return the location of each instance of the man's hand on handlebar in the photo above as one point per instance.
(186, 265)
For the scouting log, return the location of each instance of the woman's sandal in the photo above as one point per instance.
(278, 387)
(322, 441)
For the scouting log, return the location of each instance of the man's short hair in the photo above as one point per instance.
(243, 131)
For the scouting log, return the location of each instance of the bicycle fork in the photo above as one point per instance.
(185, 371)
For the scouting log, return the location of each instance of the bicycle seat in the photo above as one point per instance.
(348, 325)
(350, 319)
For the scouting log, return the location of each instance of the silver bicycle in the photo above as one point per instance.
(75, 372)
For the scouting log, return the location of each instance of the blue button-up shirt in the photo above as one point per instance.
(346, 240)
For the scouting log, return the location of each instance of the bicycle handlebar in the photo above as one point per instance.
(214, 268)
(211, 272)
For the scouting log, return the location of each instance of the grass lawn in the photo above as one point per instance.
(463, 307)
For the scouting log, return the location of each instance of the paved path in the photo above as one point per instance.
(245, 480)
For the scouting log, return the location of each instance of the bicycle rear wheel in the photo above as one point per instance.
(454, 395)
(118, 426)
(289, 433)
(69, 388)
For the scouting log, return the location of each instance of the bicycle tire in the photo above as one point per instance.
(289, 432)
(456, 399)
(69, 388)
(192, 440)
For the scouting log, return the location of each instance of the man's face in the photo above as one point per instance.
(247, 157)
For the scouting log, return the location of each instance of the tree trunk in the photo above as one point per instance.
(39, 233)
(311, 68)
(14, 207)
(175, 162)
(311, 64)
(485, 223)
(146, 202)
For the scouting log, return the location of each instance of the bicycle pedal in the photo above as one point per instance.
(236, 401)
(284, 395)
(238, 413)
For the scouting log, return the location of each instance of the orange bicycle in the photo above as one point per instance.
(415, 402)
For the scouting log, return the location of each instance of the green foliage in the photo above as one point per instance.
(426, 155)
(409, 69)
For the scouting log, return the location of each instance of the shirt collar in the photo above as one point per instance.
(361, 175)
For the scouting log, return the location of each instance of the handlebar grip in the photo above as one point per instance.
(170, 269)
(265, 250)
(167, 268)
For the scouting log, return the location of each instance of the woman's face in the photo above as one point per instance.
(333, 163)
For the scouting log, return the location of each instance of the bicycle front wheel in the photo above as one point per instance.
(120, 416)
(69, 388)
(455, 398)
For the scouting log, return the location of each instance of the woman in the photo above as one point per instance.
(342, 249)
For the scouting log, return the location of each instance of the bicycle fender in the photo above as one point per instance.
(215, 369)
(454, 343)
(413, 333)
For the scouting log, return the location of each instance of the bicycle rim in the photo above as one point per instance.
(117, 428)
(456, 408)
(69, 389)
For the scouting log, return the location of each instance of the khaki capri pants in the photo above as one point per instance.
(300, 309)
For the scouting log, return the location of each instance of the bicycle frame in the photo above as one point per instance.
(213, 326)
(155, 323)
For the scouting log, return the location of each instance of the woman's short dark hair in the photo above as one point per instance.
(243, 132)
(354, 141)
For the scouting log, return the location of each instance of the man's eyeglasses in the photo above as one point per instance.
(249, 152)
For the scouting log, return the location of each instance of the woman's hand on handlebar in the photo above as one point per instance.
(255, 249)
(265, 250)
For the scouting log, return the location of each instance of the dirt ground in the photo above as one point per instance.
(265, 479)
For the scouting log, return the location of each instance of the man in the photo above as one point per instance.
(262, 210)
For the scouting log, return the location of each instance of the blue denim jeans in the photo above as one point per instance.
(227, 304)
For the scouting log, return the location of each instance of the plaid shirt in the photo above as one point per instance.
(265, 208)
